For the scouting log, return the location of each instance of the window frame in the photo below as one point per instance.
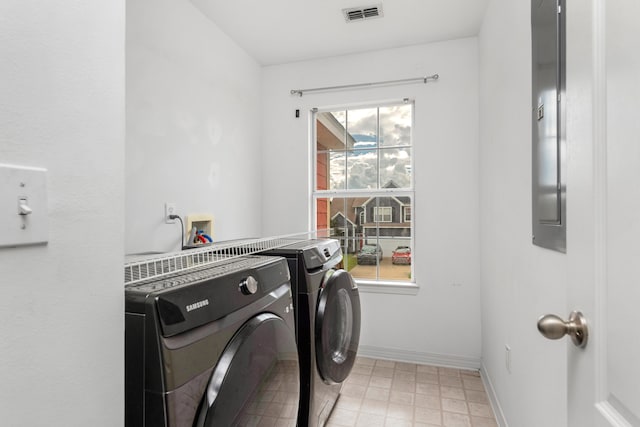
(379, 285)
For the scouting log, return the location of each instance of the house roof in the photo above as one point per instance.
(331, 133)
(342, 215)
(350, 209)
(404, 200)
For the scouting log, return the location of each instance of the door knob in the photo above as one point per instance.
(554, 328)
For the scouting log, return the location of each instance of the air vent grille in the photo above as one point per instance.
(362, 13)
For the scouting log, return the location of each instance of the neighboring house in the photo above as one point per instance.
(389, 217)
(345, 223)
(361, 219)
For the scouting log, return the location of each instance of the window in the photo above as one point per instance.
(382, 214)
(407, 214)
(363, 189)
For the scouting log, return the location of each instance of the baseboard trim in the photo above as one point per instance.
(445, 360)
(493, 398)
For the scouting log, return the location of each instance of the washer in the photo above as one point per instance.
(214, 346)
(327, 311)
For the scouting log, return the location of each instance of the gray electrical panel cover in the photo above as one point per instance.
(548, 124)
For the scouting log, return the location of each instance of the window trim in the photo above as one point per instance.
(380, 285)
(388, 287)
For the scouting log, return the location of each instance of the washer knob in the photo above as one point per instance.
(249, 286)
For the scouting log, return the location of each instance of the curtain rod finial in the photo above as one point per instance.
(432, 77)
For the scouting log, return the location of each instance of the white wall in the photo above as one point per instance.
(520, 282)
(193, 126)
(443, 319)
(62, 108)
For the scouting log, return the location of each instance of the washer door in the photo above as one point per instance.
(337, 326)
(257, 378)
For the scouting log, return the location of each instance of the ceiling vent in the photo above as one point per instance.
(362, 13)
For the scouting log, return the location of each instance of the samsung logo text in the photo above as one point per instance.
(197, 305)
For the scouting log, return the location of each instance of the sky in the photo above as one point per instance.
(378, 155)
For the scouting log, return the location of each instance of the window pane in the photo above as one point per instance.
(343, 216)
(362, 126)
(331, 133)
(340, 117)
(322, 170)
(383, 247)
(362, 169)
(330, 170)
(395, 125)
(323, 215)
(331, 137)
(395, 168)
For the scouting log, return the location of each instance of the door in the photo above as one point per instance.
(337, 328)
(603, 242)
(257, 378)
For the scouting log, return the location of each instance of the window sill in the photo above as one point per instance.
(379, 287)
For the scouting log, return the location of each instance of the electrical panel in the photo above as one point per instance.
(548, 124)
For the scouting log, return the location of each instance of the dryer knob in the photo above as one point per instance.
(249, 286)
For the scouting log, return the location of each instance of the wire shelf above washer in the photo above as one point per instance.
(145, 267)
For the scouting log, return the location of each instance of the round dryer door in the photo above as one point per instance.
(337, 326)
(260, 362)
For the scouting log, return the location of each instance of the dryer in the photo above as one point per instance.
(213, 346)
(327, 312)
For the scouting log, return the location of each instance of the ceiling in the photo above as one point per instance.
(281, 31)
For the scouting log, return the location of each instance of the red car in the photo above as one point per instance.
(402, 255)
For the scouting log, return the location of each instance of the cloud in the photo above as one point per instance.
(361, 167)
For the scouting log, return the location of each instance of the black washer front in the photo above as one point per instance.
(200, 351)
(251, 368)
(317, 285)
(337, 326)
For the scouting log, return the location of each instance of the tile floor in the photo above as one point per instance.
(385, 393)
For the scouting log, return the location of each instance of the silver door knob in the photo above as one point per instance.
(554, 328)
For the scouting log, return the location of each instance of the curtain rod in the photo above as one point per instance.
(424, 79)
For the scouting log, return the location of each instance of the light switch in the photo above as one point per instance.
(23, 206)
(24, 217)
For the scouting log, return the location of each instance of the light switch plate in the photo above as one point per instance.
(26, 186)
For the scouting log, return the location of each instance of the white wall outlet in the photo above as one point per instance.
(169, 209)
(507, 357)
